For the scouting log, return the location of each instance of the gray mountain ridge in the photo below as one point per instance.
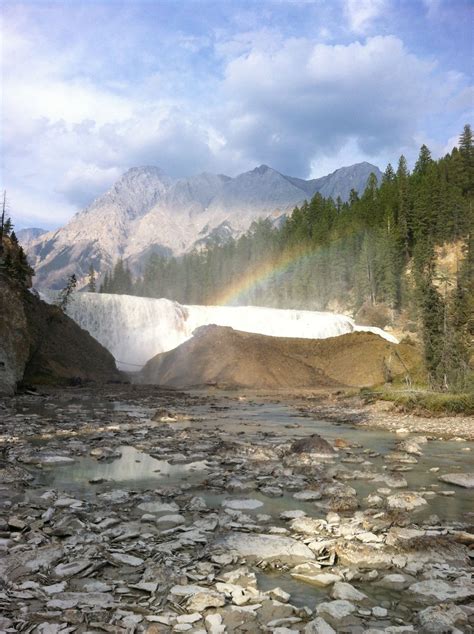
(146, 211)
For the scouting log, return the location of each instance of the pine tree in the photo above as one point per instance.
(66, 293)
(424, 160)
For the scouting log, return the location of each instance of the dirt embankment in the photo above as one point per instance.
(40, 344)
(226, 357)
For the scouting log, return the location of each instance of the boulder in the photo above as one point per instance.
(406, 501)
(314, 444)
(441, 618)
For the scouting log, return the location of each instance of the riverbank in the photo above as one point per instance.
(137, 509)
(372, 413)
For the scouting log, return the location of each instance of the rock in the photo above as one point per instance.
(171, 520)
(465, 480)
(126, 560)
(393, 582)
(314, 445)
(306, 525)
(186, 591)
(363, 555)
(239, 595)
(267, 547)
(241, 505)
(70, 569)
(272, 491)
(279, 595)
(158, 507)
(214, 624)
(406, 501)
(308, 496)
(369, 538)
(337, 613)
(116, 496)
(319, 626)
(379, 612)
(345, 591)
(291, 515)
(409, 445)
(437, 590)
(48, 459)
(311, 573)
(203, 600)
(441, 618)
(188, 618)
(373, 501)
(398, 536)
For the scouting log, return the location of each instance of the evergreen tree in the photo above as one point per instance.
(66, 293)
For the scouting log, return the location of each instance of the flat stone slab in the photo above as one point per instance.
(241, 505)
(268, 547)
(436, 590)
(465, 480)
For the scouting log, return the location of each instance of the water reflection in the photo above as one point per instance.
(134, 468)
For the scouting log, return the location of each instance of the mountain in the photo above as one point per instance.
(148, 212)
(25, 236)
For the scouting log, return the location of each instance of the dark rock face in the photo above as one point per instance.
(14, 338)
(40, 344)
(314, 444)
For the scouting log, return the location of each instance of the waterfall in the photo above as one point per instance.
(134, 329)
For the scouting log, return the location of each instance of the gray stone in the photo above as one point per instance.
(202, 600)
(406, 501)
(345, 591)
(437, 590)
(314, 445)
(126, 560)
(336, 612)
(62, 571)
(241, 505)
(441, 618)
(267, 547)
(158, 507)
(319, 626)
(465, 480)
(311, 573)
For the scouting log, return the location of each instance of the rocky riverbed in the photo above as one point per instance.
(135, 509)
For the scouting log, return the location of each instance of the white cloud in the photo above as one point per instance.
(309, 100)
(72, 123)
(361, 14)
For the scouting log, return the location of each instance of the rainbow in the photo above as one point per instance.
(261, 274)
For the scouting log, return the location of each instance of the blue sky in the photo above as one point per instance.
(92, 88)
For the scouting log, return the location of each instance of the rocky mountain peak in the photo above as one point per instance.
(146, 211)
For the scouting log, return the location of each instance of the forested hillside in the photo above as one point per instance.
(377, 249)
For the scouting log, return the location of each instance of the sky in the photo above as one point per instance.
(91, 88)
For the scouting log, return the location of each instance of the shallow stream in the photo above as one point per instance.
(263, 422)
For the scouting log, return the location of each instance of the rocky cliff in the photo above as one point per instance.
(40, 344)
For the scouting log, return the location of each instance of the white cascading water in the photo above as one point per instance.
(134, 329)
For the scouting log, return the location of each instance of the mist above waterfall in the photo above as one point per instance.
(134, 329)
